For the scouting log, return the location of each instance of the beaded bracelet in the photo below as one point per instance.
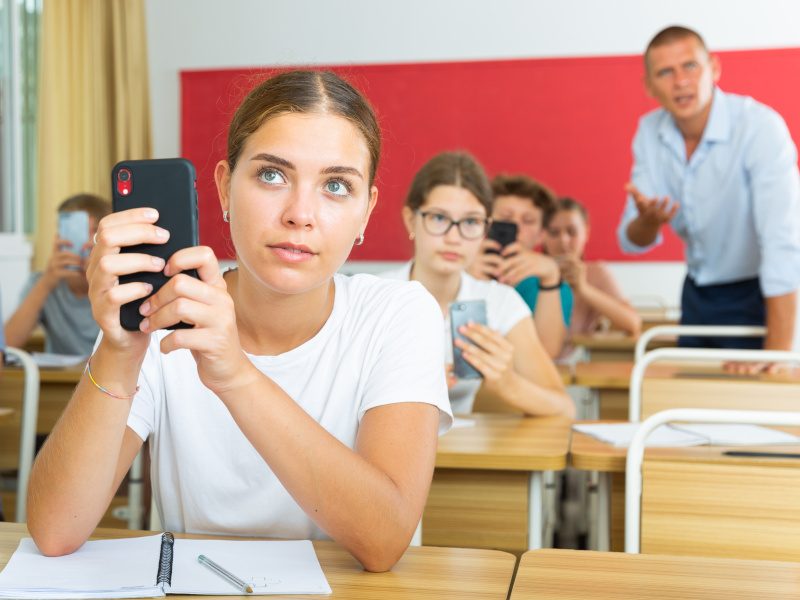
(88, 371)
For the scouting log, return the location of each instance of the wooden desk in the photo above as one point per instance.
(36, 340)
(55, 390)
(683, 386)
(582, 575)
(615, 345)
(698, 501)
(488, 486)
(422, 573)
(6, 414)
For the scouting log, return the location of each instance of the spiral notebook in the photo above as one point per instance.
(153, 566)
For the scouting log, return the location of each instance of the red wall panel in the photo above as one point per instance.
(568, 122)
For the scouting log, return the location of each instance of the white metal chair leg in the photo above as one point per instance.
(535, 489)
(550, 516)
(27, 434)
(603, 512)
(698, 330)
(416, 539)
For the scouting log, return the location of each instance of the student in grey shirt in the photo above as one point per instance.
(58, 297)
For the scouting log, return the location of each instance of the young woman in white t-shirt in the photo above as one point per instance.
(302, 403)
(446, 215)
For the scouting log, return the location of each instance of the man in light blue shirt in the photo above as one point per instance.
(722, 170)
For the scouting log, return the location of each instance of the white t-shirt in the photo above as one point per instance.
(379, 346)
(504, 309)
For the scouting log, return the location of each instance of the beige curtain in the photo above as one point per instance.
(93, 102)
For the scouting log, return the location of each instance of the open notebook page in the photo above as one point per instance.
(724, 434)
(621, 435)
(281, 567)
(123, 568)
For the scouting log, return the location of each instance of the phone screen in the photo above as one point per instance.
(502, 232)
(461, 313)
(73, 226)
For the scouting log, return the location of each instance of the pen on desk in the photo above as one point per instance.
(242, 586)
(755, 454)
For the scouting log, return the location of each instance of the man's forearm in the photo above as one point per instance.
(641, 232)
(780, 321)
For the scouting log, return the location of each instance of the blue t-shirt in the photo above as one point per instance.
(529, 290)
(67, 319)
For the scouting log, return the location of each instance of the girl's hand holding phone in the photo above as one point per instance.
(487, 264)
(573, 271)
(106, 264)
(520, 263)
(490, 353)
(205, 304)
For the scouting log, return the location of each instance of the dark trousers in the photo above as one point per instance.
(736, 303)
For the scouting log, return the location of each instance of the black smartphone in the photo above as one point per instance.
(502, 232)
(168, 185)
(461, 313)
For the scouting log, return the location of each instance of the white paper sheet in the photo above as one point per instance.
(127, 568)
(289, 567)
(681, 435)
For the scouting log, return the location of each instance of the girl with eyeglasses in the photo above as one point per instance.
(446, 215)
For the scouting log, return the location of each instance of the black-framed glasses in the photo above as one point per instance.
(470, 228)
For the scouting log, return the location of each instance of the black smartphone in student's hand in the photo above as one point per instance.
(502, 232)
(461, 313)
(168, 185)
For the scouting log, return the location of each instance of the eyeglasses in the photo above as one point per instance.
(470, 228)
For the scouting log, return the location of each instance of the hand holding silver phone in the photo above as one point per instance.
(461, 313)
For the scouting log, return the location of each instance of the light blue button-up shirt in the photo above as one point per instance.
(739, 193)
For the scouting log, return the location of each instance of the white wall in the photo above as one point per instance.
(15, 260)
(199, 34)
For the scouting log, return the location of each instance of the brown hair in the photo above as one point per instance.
(96, 206)
(565, 204)
(450, 168)
(304, 92)
(671, 34)
(523, 186)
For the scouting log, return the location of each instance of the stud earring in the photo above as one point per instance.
(411, 236)
(225, 216)
(360, 239)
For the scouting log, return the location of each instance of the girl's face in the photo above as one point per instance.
(525, 214)
(449, 253)
(297, 199)
(566, 234)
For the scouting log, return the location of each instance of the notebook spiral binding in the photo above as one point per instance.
(165, 560)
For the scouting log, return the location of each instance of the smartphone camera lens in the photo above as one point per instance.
(124, 182)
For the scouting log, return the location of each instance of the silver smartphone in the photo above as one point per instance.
(73, 226)
(461, 313)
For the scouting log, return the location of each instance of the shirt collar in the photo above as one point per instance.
(718, 128)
